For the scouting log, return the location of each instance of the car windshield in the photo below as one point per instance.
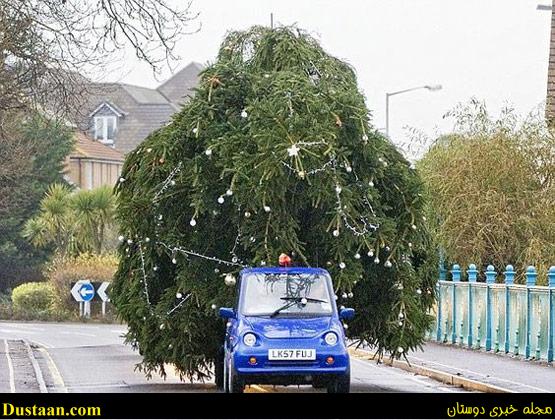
(285, 294)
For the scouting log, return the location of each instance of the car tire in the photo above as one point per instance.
(235, 383)
(340, 385)
(219, 369)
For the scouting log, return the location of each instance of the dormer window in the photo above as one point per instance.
(105, 128)
(104, 123)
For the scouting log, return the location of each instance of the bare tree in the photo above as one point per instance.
(48, 46)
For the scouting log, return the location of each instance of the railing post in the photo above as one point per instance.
(551, 319)
(456, 273)
(490, 279)
(472, 276)
(531, 276)
(509, 281)
(442, 277)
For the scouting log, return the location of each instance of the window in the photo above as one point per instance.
(105, 128)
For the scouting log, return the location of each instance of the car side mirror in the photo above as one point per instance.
(347, 313)
(227, 313)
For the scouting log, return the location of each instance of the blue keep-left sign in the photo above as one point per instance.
(86, 292)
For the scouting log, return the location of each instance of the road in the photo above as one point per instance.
(75, 357)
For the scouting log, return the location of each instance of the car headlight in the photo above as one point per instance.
(331, 338)
(249, 339)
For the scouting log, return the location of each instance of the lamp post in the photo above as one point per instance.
(431, 88)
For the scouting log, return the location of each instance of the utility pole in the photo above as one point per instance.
(271, 20)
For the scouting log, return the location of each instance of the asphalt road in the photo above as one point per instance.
(75, 357)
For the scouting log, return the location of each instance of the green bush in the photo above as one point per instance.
(32, 300)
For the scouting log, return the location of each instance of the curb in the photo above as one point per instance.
(435, 374)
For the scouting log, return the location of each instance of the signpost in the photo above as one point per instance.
(83, 292)
(101, 292)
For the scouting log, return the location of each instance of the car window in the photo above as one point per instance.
(265, 293)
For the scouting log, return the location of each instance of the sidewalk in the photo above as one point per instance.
(478, 370)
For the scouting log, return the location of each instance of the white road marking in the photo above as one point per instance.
(77, 333)
(481, 375)
(10, 367)
(36, 368)
(58, 380)
(402, 375)
(16, 331)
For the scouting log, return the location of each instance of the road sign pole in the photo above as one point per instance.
(103, 309)
(87, 311)
(80, 309)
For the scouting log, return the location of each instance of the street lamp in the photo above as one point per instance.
(431, 88)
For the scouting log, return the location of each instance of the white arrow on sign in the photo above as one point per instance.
(76, 290)
(101, 291)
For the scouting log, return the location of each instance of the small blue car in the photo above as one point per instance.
(285, 330)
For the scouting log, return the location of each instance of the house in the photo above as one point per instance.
(92, 164)
(122, 115)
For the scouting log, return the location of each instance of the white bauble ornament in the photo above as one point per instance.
(161, 326)
(149, 150)
(388, 264)
(350, 294)
(345, 326)
(410, 244)
(229, 280)
(221, 200)
(252, 239)
(234, 259)
(370, 253)
(244, 114)
(122, 179)
(302, 174)
(121, 238)
(377, 260)
(342, 265)
(387, 248)
(160, 217)
(247, 214)
(229, 192)
(267, 209)
(336, 233)
(216, 270)
(195, 130)
(424, 218)
(178, 295)
(147, 239)
(130, 241)
(338, 189)
(304, 301)
(413, 227)
(344, 295)
(400, 323)
(172, 182)
(170, 346)
(262, 263)
(400, 349)
(357, 256)
(193, 222)
(364, 138)
(349, 169)
(371, 183)
(213, 306)
(174, 261)
(208, 152)
(418, 291)
(155, 268)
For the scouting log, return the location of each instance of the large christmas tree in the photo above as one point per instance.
(274, 153)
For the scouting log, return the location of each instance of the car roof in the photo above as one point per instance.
(284, 270)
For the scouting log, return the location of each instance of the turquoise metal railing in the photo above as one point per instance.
(499, 317)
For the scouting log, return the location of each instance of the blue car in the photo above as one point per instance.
(285, 329)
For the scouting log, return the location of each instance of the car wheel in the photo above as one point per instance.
(340, 385)
(219, 369)
(236, 384)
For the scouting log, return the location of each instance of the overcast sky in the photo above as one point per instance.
(495, 50)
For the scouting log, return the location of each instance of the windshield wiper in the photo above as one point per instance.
(298, 299)
(292, 300)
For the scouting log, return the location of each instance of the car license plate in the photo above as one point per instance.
(292, 354)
